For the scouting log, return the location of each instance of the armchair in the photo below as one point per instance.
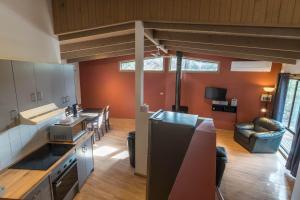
(263, 135)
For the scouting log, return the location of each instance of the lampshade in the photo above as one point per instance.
(269, 89)
(263, 110)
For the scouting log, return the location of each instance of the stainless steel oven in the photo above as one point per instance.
(65, 180)
(69, 129)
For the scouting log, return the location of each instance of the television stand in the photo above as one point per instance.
(224, 108)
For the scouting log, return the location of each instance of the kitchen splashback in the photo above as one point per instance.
(17, 142)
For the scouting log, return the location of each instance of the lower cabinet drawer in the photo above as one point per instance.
(41, 192)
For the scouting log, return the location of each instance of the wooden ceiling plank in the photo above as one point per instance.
(97, 43)
(275, 32)
(102, 49)
(233, 55)
(263, 52)
(103, 32)
(102, 56)
(238, 41)
(109, 55)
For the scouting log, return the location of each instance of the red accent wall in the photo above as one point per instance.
(102, 83)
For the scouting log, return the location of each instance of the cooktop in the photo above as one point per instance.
(44, 157)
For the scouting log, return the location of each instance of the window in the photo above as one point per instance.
(291, 113)
(150, 64)
(127, 66)
(192, 65)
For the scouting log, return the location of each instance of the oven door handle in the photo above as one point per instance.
(58, 182)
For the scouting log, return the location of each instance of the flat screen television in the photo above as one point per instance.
(213, 93)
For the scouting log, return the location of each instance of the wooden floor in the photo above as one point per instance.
(247, 176)
(253, 176)
(113, 178)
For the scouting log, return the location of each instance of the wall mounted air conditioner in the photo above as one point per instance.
(251, 66)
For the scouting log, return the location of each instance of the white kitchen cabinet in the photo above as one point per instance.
(64, 85)
(41, 192)
(39, 84)
(44, 74)
(8, 99)
(89, 158)
(81, 165)
(59, 85)
(25, 84)
(85, 160)
(69, 75)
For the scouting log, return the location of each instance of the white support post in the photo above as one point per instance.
(141, 112)
(139, 63)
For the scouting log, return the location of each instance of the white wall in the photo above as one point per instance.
(296, 190)
(27, 31)
(141, 143)
(293, 69)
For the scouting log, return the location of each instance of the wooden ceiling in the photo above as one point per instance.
(247, 29)
(77, 15)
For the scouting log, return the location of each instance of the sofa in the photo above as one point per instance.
(220, 164)
(263, 135)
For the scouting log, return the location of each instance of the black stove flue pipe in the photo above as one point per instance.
(178, 81)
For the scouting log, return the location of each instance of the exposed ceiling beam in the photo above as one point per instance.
(109, 55)
(275, 32)
(103, 32)
(149, 35)
(102, 49)
(262, 52)
(232, 54)
(237, 41)
(97, 43)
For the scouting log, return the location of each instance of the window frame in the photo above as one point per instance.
(285, 151)
(196, 59)
(152, 71)
(292, 108)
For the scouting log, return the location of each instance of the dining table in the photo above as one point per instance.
(91, 115)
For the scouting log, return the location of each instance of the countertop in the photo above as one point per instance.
(197, 174)
(18, 183)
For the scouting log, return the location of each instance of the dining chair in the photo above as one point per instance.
(106, 118)
(96, 125)
(99, 125)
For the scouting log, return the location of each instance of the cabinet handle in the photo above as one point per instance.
(84, 149)
(39, 96)
(36, 196)
(13, 115)
(63, 99)
(33, 97)
(58, 184)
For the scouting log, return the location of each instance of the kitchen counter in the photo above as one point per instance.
(197, 175)
(18, 182)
